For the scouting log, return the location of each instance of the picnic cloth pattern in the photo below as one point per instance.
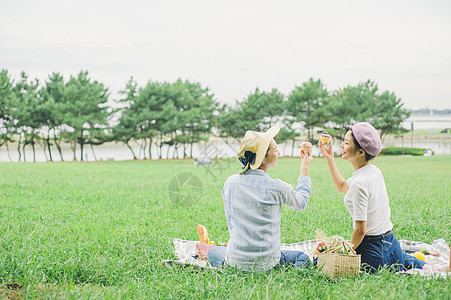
(188, 254)
(439, 246)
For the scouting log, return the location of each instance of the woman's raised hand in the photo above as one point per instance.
(306, 157)
(326, 149)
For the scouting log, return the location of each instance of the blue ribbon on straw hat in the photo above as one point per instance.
(254, 146)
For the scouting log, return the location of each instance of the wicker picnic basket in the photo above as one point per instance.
(336, 257)
(337, 265)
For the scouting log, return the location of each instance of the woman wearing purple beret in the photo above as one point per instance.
(367, 201)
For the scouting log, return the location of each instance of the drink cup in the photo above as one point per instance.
(306, 145)
(325, 138)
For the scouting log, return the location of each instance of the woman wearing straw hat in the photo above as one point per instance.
(252, 203)
(367, 201)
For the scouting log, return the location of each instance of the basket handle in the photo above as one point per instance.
(346, 244)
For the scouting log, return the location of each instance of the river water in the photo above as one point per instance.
(218, 148)
(428, 122)
(203, 151)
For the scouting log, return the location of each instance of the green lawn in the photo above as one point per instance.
(428, 132)
(86, 230)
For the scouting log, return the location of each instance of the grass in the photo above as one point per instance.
(407, 151)
(100, 230)
(428, 131)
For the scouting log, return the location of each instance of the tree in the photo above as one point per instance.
(148, 108)
(25, 111)
(258, 111)
(195, 106)
(97, 136)
(52, 108)
(229, 122)
(288, 132)
(388, 114)
(86, 109)
(125, 130)
(363, 103)
(348, 106)
(304, 104)
(7, 96)
(261, 110)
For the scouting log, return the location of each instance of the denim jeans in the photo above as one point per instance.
(216, 256)
(379, 252)
(296, 259)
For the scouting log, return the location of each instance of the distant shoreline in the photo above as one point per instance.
(444, 137)
(440, 143)
(417, 137)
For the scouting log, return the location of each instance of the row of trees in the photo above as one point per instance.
(311, 106)
(75, 111)
(79, 111)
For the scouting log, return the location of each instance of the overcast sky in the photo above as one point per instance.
(232, 47)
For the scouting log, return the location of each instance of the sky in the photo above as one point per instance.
(234, 47)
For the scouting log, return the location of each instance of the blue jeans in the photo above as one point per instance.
(378, 252)
(216, 256)
(297, 259)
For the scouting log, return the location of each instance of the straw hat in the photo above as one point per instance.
(254, 146)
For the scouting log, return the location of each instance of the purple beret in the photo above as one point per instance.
(368, 137)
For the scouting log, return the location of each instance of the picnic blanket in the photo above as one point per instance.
(188, 254)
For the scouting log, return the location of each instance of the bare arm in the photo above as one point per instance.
(298, 199)
(337, 178)
(358, 234)
(305, 163)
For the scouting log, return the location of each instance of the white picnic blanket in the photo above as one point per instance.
(188, 254)
(438, 246)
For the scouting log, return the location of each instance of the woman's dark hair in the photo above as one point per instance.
(358, 147)
(274, 138)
